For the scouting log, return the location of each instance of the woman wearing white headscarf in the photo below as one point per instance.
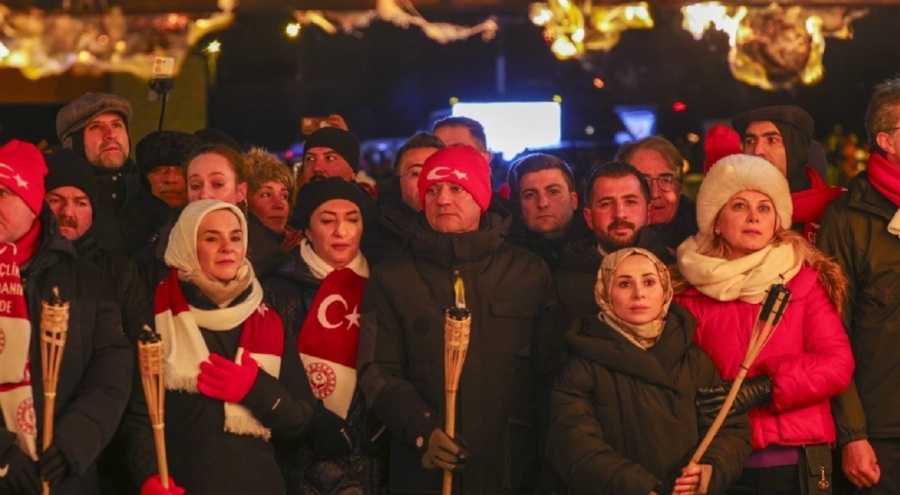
(231, 381)
(623, 419)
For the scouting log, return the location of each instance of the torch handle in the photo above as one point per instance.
(720, 418)
(49, 409)
(450, 428)
(159, 439)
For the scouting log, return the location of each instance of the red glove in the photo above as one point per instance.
(153, 486)
(225, 380)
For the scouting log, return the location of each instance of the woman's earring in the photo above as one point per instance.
(717, 231)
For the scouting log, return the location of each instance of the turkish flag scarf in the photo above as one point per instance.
(329, 336)
(16, 396)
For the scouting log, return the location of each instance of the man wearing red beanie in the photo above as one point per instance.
(94, 379)
(508, 291)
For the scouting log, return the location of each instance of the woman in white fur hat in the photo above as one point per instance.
(745, 245)
(232, 382)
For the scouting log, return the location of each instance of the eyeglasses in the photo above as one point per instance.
(666, 182)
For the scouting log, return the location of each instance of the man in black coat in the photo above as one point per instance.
(505, 380)
(94, 376)
(95, 125)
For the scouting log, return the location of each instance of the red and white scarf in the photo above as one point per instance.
(329, 337)
(16, 396)
(179, 325)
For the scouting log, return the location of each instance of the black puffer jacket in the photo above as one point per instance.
(623, 420)
(290, 291)
(95, 376)
(854, 232)
(508, 366)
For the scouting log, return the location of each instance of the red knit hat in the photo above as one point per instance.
(721, 141)
(22, 170)
(461, 165)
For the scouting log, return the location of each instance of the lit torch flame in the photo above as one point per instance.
(460, 291)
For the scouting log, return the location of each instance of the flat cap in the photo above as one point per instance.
(76, 115)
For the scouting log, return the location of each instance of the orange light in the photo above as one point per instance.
(598, 83)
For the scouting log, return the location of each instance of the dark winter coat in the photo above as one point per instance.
(94, 379)
(264, 247)
(854, 232)
(127, 214)
(203, 457)
(130, 291)
(623, 420)
(507, 372)
(682, 225)
(549, 250)
(290, 292)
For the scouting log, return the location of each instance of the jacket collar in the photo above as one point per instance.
(863, 196)
(449, 249)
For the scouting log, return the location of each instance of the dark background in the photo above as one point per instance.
(387, 81)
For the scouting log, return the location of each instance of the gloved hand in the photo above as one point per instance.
(153, 486)
(444, 452)
(18, 473)
(754, 392)
(330, 434)
(53, 465)
(223, 379)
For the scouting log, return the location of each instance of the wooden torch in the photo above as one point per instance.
(770, 314)
(151, 360)
(457, 326)
(54, 327)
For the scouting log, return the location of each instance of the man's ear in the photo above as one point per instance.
(884, 142)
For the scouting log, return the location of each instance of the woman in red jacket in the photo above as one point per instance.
(745, 245)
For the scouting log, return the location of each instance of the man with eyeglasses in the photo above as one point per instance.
(672, 214)
(860, 230)
(782, 135)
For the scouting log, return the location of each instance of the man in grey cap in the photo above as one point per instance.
(782, 135)
(95, 125)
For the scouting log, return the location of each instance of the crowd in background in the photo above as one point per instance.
(303, 317)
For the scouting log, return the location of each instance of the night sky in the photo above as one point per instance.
(387, 80)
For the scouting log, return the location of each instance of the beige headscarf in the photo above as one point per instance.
(643, 335)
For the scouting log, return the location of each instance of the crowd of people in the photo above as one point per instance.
(303, 328)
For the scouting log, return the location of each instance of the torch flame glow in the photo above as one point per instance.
(460, 291)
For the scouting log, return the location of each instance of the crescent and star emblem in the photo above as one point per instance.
(19, 181)
(351, 317)
(438, 173)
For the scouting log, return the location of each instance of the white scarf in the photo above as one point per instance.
(746, 278)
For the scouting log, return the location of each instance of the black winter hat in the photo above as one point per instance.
(319, 191)
(344, 143)
(66, 167)
(164, 148)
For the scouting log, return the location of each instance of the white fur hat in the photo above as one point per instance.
(736, 173)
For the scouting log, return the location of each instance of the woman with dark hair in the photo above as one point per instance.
(743, 247)
(318, 291)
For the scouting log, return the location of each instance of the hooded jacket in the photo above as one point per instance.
(623, 420)
(808, 358)
(507, 372)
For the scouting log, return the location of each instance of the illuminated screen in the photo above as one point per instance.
(514, 127)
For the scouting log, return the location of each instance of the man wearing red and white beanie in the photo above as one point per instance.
(94, 380)
(508, 291)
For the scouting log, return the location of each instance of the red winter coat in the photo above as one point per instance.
(808, 359)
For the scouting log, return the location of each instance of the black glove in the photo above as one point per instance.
(53, 465)
(330, 434)
(754, 392)
(18, 473)
(444, 452)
